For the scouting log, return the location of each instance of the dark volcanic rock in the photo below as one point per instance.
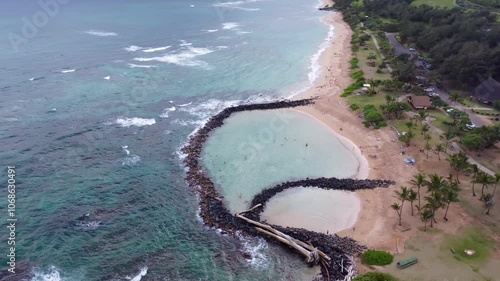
(215, 214)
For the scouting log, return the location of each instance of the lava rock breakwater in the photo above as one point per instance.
(215, 214)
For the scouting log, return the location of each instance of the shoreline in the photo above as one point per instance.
(331, 110)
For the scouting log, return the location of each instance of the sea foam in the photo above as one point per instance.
(131, 65)
(142, 273)
(237, 5)
(152, 50)
(135, 121)
(230, 25)
(101, 33)
(52, 274)
(182, 58)
(315, 65)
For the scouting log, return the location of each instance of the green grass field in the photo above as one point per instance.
(443, 3)
(371, 72)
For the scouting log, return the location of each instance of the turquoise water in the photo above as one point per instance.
(258, 149)
(95, 107)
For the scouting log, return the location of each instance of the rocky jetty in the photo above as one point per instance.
(215, 214)
(324, 183)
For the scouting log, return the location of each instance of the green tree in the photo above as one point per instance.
(403, 196)
(475, 177)
(458, 162)
(496, 180)
(448, 137)
(439, 149)
(485, 180)
(454, 97)
(412, 196)
(434, 203)
(418, 181)
(427, 148)
(449, 196)
(488, 203)
(474, 142)
(426, 215)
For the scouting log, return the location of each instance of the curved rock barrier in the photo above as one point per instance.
(323, 183)
(215, 214)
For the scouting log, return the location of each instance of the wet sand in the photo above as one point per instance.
(324, 211)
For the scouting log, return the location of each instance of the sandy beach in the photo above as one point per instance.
(374, 148)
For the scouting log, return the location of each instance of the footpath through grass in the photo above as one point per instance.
(443, 3)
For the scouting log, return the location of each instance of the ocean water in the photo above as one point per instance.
(255, 150)
(97, 97)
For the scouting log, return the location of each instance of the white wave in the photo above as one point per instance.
(236, 5)
(101, 33)
(152, 50)
(185, 43)
(107, 77)
(131, 65)
(52, 274)
(68, 70)
(244, 32)
(183, 58)
(210, 30)
(185, 104)
(133, 48)
(315, 65)
(139, 122)
(192, 6)
(132, 160)
(230, 25)
(255, 247)
(10, 119)
(89, 225)
(222, 47)
(126, 150)
(142, 273)
(165, 114)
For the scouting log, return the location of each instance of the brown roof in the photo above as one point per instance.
(420, 101)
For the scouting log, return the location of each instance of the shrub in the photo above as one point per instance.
(354, 63)
(357, 75)
(381, 125)
(375, 276)
(372, 257)
(354, 106)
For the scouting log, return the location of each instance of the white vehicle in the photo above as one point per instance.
(411, 50)
(429, 89)
(470, 126)
(449, 110)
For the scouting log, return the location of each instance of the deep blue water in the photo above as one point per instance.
(94, 107)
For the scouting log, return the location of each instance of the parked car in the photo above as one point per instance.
(411, 50)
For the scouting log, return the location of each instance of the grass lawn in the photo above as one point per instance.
(440, 118)
(475, 239)
(443, 3)
(419, 137)
(363, 100)
(371, 72)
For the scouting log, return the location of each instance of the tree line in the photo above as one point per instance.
(461, 45)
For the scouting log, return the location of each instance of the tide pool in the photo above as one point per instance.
(258, 149)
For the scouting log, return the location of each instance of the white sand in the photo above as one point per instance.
(314, 209)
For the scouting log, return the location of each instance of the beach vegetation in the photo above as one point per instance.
(372, 257)
(459, 162)
(354, 106)
(473, 142)
(375, 276)
(354, 63)
(402, 195)
(475, 239)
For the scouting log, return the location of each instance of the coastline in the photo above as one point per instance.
(329, 108)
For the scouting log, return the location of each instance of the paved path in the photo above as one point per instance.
(379, 51)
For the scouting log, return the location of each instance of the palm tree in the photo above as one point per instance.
(449, 196)
(422, 115)
(439, 148)
(427, 147)
(412, 196)
(409, 125)
(402, 195)
(418, 181)
(448, 137)
(454, 98)
(496, 180)
(459, 162)
(425, 129)
(434, 202)
(435, 183)
(485, 180)
(426, 215)
(488, 203)
(475, 171)
(389, 98)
